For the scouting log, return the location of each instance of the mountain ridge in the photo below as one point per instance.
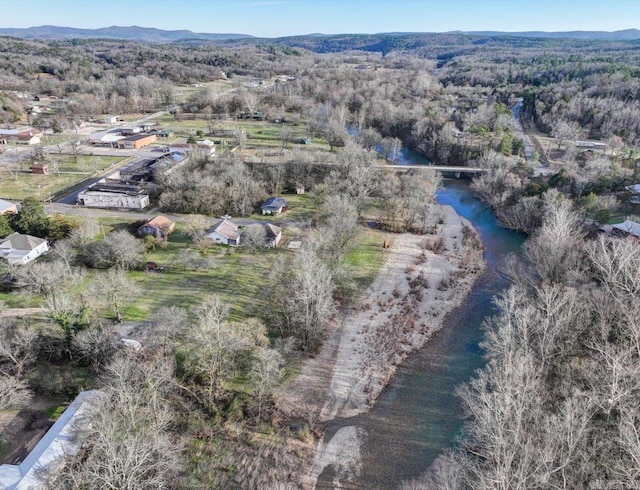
(130, 33)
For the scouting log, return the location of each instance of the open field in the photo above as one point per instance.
(18, 185)
(302, 207)
(237, 276)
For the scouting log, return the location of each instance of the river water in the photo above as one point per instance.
(417, 416)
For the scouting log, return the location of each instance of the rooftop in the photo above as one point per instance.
(44, 458)
(226, 228)
(630, 227)
(18, 241)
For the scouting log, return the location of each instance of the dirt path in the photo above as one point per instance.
(424, 278)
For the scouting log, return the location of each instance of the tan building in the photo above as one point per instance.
(7, 207)
(137, 141)
(27, 136)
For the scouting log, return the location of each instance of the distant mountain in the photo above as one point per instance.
(130, 33)
(625, 35)
(329, 42)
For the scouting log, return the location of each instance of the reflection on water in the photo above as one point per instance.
(418, 415)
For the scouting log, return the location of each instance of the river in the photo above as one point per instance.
(417, 416)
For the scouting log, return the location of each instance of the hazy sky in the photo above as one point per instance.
(274, 18)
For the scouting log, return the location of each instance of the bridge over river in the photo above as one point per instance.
(439, 168)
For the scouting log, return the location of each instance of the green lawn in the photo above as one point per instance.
(19, 185)
(301, 207)
(26, 184)
(368, 256)
(237, 276)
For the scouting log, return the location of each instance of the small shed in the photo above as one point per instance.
(273, 234)
(39, 168)
(111, 119)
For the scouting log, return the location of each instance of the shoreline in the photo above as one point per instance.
(424, 278)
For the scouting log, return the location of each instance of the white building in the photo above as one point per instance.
(106, 138)
(119, 195)
(19, 249)
(225, 232)
(64, 438)
(111, 119)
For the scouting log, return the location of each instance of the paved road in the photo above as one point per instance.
(529, 149)
(127, 215)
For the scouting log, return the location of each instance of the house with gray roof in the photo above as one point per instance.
(19, 249)
(627, 228)
(225, 232)
(274, 205)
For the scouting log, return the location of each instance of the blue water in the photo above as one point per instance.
(417, 416)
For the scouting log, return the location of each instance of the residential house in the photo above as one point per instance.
(25, 136)
(7, 207)
(225, 232)
(137, 141)
(159, 227)
(274, 205)
(19, 249)
(626, 228)
(107, 193)
(208, 147)
(273, 234)
(64, 438)
(634, 190)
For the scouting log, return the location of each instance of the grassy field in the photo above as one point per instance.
(368, 256)
(302, 207)
(260, 134)
(237, 276)
(23, 184)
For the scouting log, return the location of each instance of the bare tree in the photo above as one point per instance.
(213, 346)
(48, 279)
(340, 227)
(131, 445)
(169, 323)
(310, 302)
(119, 249)
(254, 236)
(195, 225)
(555, 249)
(113, 289)
(266, 372)
(616, 263)
(18, 348)
(563, 130)
(14, 392)
(85, 233)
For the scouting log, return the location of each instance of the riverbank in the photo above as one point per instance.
(424, 278)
